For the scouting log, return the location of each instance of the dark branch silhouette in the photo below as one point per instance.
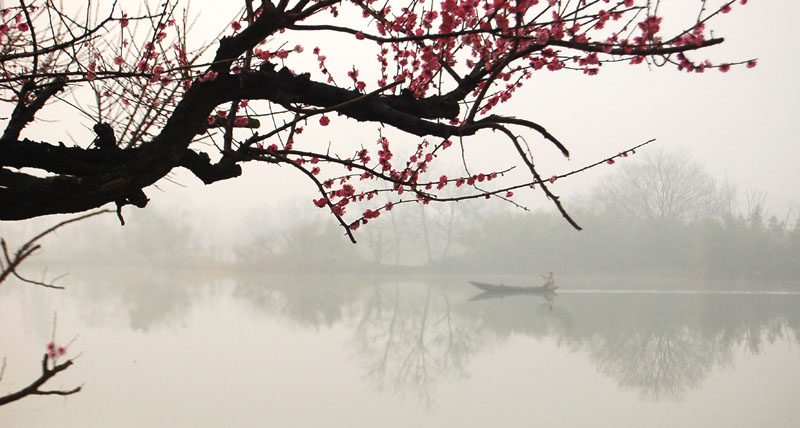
(158, 106)
(49, 370)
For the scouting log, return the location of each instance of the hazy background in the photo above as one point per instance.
(738, 126)
(243, 300)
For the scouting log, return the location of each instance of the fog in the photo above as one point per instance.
(242, 304)
(738, 125)
(203, 349)
(662, 313)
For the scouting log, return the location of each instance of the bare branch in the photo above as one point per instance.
(33, 389)
(27, 249)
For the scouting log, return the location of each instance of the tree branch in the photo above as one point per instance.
(33, 388)
(23, 114)
(28, 248)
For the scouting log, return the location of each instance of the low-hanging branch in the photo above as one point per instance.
(34, 388)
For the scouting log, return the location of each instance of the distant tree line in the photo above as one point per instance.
(730, 247)
(661, 215)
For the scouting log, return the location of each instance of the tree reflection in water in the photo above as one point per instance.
(413, 336)
(662, 345)
(661, 364)
(410, 340)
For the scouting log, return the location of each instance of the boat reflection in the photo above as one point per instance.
(492, 291)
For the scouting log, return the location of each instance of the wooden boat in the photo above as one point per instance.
(510, 289)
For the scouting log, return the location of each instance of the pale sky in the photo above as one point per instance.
(739, 125)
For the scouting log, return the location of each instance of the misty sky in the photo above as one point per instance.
(737, 124)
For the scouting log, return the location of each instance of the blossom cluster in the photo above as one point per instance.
(55, 351)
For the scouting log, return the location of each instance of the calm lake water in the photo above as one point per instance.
(179, 349)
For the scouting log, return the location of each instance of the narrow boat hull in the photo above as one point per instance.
(510, 289)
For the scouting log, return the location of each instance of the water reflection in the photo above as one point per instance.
(151, 299)
(411, 336)
(662, 364)
(662, 345)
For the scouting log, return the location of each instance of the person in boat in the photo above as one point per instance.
(550, 281)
